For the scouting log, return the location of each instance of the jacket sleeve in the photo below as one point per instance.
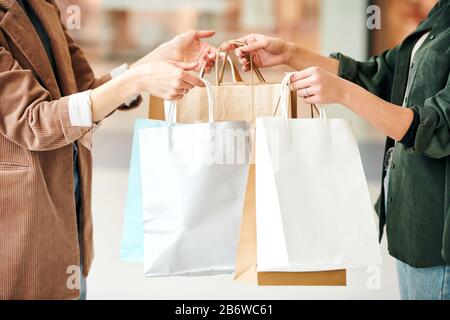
(28, 116)
(433, 132)
(375, 75)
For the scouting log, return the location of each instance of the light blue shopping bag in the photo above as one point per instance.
(132, 246)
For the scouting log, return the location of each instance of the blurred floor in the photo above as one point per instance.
(113, 279)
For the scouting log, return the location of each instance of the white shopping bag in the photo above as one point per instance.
(313, 208)
(193, 185)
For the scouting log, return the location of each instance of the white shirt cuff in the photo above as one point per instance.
(80, 112)
(117, 72)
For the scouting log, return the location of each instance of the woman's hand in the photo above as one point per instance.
(268, 52)
(186, 47)
(318, 86)
(189, 46)
(265, 51)
(169, 80)
(165, 79)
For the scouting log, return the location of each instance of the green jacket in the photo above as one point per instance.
(418, 219)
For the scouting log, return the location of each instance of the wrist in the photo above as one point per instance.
(132, 81)
(165, 51)
(291, 52)
(294, 56)
(345, 93)
(348, 93)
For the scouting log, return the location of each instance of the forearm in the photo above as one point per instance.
(109, 96)
(300, 58)
(161, 53)
(394, 121)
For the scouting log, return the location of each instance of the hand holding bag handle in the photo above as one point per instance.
(285, 85)
(173, 106)
(220, 74)
(236, 76)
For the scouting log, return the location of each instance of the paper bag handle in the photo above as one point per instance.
(220, 74)
(285, 84)
(236, 76)
(173, 106)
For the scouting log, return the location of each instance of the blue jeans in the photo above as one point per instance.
(423, 283)
(82, 286)
(76, 182)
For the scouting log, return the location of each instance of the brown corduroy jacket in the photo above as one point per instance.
(39, 248)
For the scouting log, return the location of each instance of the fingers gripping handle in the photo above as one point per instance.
(173, 106)
(221, 50)
(234, 70)
(285, 88)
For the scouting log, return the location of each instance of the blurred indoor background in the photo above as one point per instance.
(116, 31)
